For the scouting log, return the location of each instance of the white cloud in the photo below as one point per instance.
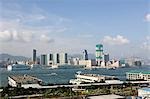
(146, 43)
(147, 17)
(148, 38)
(13, 35)
(5, 36)
(118, 40)
(27, 36)
(44, 38)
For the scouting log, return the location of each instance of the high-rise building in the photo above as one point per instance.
(63, 58)
(99, 54)
(85, 55)
(34, 56)
(106, 57)
(56, 58)
(43, 59)
(50, 59)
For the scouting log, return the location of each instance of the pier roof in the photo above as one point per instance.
(25, 79)
(142, 72)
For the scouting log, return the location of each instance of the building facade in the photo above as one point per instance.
(57, 59)
(63, 58)
(43, 59)
(99, 54)
(138, 75)
(85, 55)
(34, 56)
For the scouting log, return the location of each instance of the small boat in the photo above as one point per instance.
(53, 74)
(54, 66)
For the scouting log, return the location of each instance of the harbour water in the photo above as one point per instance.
(63, 74)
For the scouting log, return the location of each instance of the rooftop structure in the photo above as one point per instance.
(138, 75)
(111, 96)
(25, 81)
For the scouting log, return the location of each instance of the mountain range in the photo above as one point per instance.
(5, 57)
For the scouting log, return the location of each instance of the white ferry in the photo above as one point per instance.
(90, 78)
(17, 67)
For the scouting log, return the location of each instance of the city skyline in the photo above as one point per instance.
(72, 26)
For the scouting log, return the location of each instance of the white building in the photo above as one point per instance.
(87, 63)
(74, 61)
(138, 75)
(113, 63)
(54, 59)
(63, 58)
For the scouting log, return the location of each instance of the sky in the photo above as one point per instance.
(50, 26)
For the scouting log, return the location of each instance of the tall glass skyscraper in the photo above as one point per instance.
(34, 56)
(43, 59)
(99, 54)
(85, 55)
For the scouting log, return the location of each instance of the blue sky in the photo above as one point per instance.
(73, 25)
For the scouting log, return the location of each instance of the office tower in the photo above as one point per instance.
(44, 59)
(50, 59)
(34, 56)
(63, 58)
(106, 57)
(99, 54)
(85, 55)
(56, 58)
(66, 58)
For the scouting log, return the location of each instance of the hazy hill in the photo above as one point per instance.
(5, 57)
(90, 56)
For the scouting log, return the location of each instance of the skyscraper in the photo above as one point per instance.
(44, 59)
(50, 59)
(34, 56)
(85, 55)
(56, 58)
(99, 54)
(105, 58)
(63, 58)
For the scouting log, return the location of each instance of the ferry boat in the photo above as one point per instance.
(17, 67)
(90, 78)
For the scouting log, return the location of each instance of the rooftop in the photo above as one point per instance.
(97, 75)
(142, 72)
(25, 79)
(111, 96)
